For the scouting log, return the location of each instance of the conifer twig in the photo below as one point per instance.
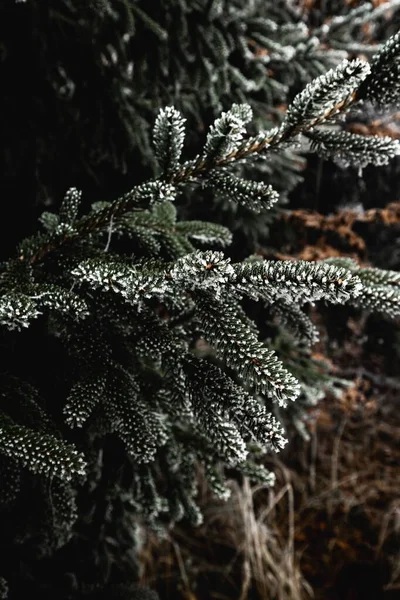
(192, 169)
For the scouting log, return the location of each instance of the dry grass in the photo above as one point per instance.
(238, 544)
(270, 560)
(353, 512)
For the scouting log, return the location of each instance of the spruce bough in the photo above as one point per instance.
(131, 297)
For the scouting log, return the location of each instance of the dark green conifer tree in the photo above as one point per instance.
(131, 354)
(132, 330)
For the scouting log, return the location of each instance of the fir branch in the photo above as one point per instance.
(353, 149)
(295, 321)
(161, 223)
(50, 221)
(207, 270)
(382, 85)
(381, 289)
(174, 246)
(17, 310)
(35, 249)
(60, 300)
(327, 95)
(257, 473)
(323, 98)
(164, 214)
(383, 299)
(205, 232)
(221, 432)
(226, 134)
(374, 276)
(298, 281)
(168, 139)
(134, 282)
(70, 206)
(257, 366)
(215, 480)
(140, 428)
(253, 145)
(39, 452)
(83, 398)
(22, 402)
(216, 391)
(254, 195)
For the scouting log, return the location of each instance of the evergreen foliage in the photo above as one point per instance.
(101, 70)
(382, 84)
(354, 149)
(127, 297)
(381, 288)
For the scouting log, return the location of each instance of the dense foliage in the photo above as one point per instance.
(132, 356)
